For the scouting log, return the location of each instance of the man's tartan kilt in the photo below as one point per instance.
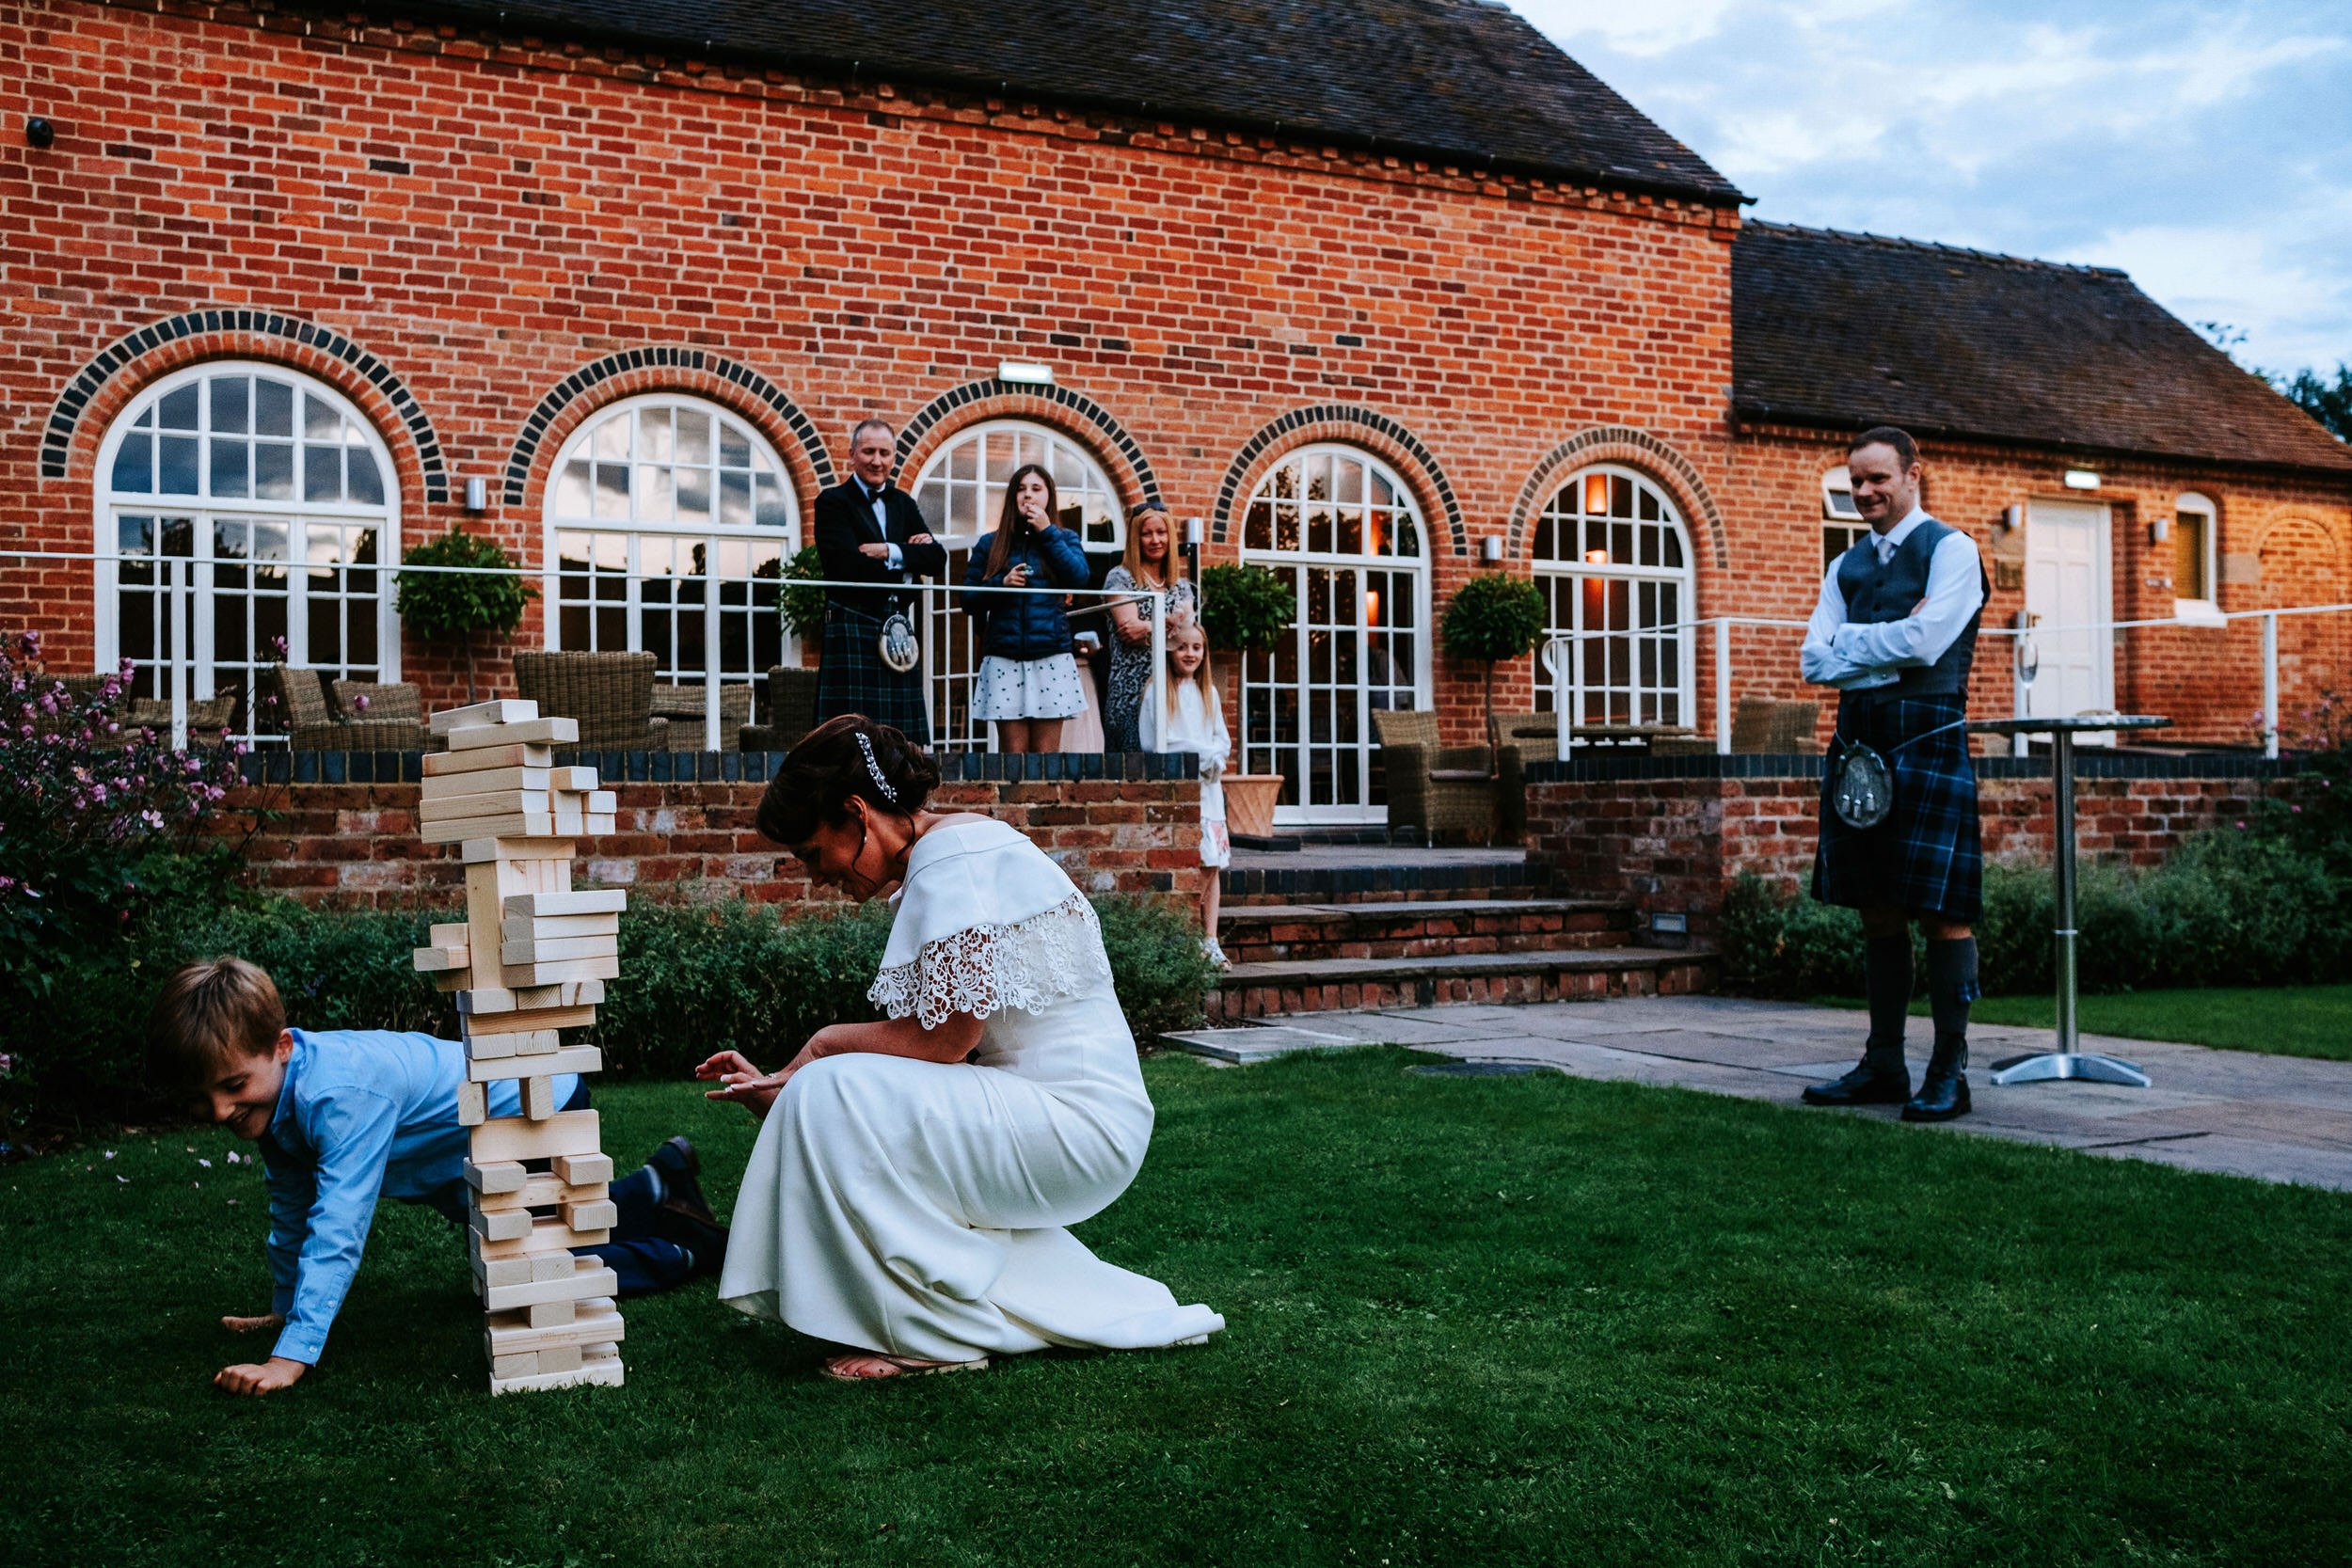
(853, 678)
(1927, 858)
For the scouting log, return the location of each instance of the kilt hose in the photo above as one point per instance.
(1927, 858)
(853, 678)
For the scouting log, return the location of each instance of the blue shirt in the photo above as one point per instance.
(363, 1114)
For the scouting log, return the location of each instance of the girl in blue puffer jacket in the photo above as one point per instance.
(1028, 680)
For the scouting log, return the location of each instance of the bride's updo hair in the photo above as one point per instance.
(839, 758)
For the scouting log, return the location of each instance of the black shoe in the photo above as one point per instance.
(680, 1169)
(1867, 1085)
(697, 1233)
(1943, 1094)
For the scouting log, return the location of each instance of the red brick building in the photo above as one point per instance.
(1372, 290)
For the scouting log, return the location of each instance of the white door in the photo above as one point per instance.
(2068, 596)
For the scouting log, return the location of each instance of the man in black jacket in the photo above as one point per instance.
(870, 532)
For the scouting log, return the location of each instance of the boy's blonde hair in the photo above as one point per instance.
(1201, 677)
(208, 1014)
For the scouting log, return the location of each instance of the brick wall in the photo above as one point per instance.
(1672, 835)
(353, 843)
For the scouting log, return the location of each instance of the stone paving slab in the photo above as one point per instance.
(2277, 1118)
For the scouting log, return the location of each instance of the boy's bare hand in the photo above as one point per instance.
(270, 1376)
(235, 1324)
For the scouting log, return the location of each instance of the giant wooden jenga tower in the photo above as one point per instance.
(529, 961)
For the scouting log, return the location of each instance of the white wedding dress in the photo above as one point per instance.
(916, 1207)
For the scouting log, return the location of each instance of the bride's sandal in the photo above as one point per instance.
(896, 1365)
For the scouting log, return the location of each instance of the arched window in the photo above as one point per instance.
(1841, 520)
(962, 492)
(2196, 541)
(252, 507)
(1613, 561)
(1342, 529)
(669, 520)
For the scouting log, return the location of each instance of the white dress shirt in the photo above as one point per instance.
(1855, 657)
(894, 559)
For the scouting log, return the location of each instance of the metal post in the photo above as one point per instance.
(1565, 646)
(180, 607)
(710, 651)
(2062, 829)
(1157, 690)
(1722, 686)
(2270, 684)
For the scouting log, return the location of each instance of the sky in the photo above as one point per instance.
(2205, 147)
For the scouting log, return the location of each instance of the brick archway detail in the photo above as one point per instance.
(637, 371)
(1352, 426)
(116, 374)
(1632, 449)
(1073, 413)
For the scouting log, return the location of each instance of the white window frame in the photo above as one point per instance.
(1840, 527)
(1682, 578)
(198, 608)
(1237, 673)
(634, 530)
(951, 657)
(2206, 608)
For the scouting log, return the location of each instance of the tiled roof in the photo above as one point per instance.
(1464, 81)
(1849, 331)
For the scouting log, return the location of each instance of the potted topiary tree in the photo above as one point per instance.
(1247, 609)
(1493, 618)
(798, 600)
(444, 606)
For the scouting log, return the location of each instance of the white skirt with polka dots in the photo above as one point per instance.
(1028, 689)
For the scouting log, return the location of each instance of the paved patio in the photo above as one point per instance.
(2278, 1118)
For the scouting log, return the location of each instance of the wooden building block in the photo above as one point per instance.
(599, 1213)
(599, 1372)
(584, 1170)
(542, 950)
(605, 968)
(503, 710)
(512, 1138)
(549, 1314)
(473, 1105)
(548, 928)
(552, 1265)
(538, 1097)
(533, 905)
(496, 1176)
(500, 1225)
(483, 1049)
(440, 961)
(496, 806)
(529, 732)
(488, 851)
(578, 1058)
(589, 1279)
(442, 786)
(573, 778)
(522, 1364)
(500, 1271)
(482, 759)
(558, 1358)
(597, 1321)
(469, 829)
(451, 980)
(543, 1190)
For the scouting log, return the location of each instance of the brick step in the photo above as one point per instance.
(1402, 879)
(1258, 991)
(1419, 929)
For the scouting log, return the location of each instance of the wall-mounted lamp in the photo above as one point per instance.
(2010, 521)
(1023, 372)
(2081, 479)
(1490, 549)
(477, 495)
(1194, 533)
(2159, 530)
(39, 132)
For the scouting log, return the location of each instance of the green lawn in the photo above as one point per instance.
(1472, 1321)
(2285, 1020)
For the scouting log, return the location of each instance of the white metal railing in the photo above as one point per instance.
(176, 678)
(1559, 656)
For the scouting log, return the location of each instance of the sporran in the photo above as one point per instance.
(897, 644)
(1861, 785)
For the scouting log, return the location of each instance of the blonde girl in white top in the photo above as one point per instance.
(1190, 717)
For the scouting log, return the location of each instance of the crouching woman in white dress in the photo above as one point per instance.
(909, 1189)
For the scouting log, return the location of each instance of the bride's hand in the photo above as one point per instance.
(740, 1082)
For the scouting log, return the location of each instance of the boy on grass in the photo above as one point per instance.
(348, 1117)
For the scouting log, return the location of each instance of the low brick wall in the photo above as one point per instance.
(341, 829)
(1673, 833)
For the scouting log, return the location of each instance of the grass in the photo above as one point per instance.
(2284, 1021)
(1472, 1321)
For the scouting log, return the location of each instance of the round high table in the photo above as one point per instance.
(2067, 1062)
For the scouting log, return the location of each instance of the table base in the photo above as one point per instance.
(2040, 1067)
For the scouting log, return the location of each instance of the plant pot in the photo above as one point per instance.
(1249, 803)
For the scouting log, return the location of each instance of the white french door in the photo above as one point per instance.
(1307, 705)
(2069, 597)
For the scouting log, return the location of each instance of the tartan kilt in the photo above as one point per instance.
(1927, 858)
(853, 678)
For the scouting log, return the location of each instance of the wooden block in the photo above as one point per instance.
(600, 1213)
(545, 1042)
(482, 1049)
(499, 1273)
(596, 826)
(542, 950)
(551, 1314)
(443, 787)
(584, 1170)
(483, 760)
(471, 829)
(503, 710)
(440, 961)
(512, 1138)
(491, 849)
(522, 1364)
(529, 732)
(573, 778)
(578, 1058)
(544, 927)
(492, 804)
(534, 906)
(600, 802)
(597, 1321)
(500, 1225)
(596, 1371)
(543, 1190)
(589, 1279)
(498, 1176)
(544, 1239)
(451, 980)
(538, 1097)
(473, 1105)
(558, 1358)
(605, 968)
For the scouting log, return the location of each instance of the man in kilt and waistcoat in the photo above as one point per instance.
(867, 531)
(1895, 631)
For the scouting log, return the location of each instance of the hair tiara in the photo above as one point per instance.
(874, 770)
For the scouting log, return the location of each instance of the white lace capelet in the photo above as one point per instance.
(985, 921)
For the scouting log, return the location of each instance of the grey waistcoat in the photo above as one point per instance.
(1875, 594)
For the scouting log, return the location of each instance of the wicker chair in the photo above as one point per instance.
(1439, 789)
(682, 705)
(1759, 726)
(207, 716)
(1519, 738)
(382, 716)
(311, 723)
(791, 705)
(610, 694)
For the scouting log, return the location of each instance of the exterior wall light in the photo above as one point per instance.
(2081, 479)
(477, 495)
(1490, 549)
(39, 132)
(1023, 372)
